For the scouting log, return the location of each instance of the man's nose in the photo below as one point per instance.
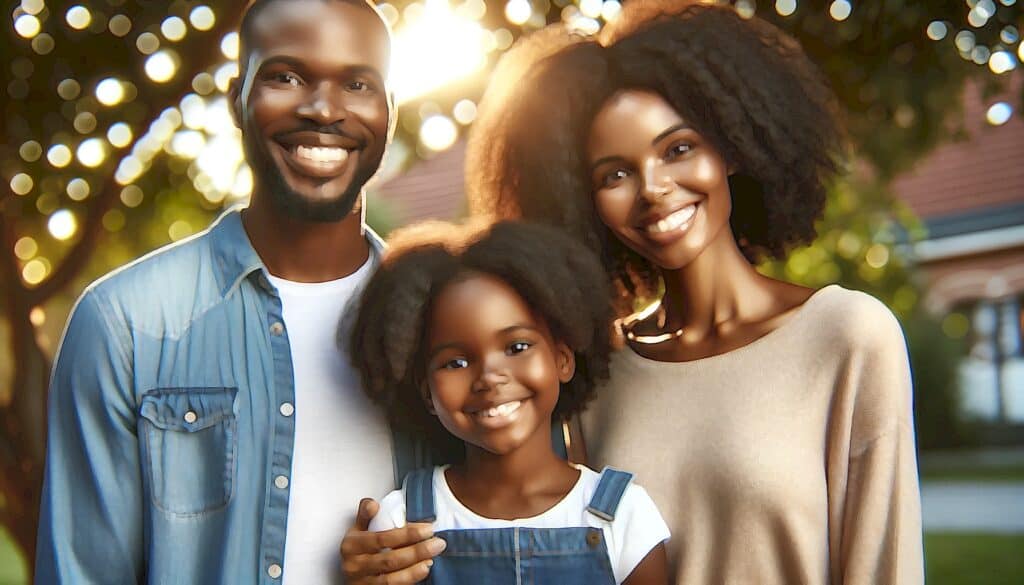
(325, 106)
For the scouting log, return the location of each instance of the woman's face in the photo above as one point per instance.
(658, 185)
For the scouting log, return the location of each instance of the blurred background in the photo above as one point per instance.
(116, 139)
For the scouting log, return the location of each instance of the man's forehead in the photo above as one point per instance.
(335, 26)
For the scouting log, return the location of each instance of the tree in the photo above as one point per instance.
(99, 153)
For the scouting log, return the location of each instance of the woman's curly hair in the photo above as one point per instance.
(743, 84)
(559, 279)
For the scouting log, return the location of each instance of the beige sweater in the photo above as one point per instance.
(790, 460)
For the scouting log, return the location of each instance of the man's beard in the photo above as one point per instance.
(300, 208)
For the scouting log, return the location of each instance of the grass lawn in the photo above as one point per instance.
(974, 559)
(12, 566)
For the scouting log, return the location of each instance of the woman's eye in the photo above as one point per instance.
(677, 150)
(517, 347)
(613, 178)
(455, 364)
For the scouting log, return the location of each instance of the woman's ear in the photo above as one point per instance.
(565, 362)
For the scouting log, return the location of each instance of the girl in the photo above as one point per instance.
(771, 422)
(494, 334)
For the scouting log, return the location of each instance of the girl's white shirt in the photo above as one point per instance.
(637, 528)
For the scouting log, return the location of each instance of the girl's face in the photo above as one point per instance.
(493, 369)
(658, 185)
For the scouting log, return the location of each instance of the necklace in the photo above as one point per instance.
(626, 325)
(653, 339)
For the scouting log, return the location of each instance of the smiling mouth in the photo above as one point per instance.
(500, 410)
(317, 161)
(673, 221)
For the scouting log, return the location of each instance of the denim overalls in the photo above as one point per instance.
(521, 556)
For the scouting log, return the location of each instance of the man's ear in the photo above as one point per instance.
(235, 99)
(565, 362)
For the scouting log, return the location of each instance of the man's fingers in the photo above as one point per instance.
(363, 542)
(397, 561)
(407, 576)
(368, 508)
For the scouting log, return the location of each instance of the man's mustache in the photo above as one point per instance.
(329, 129)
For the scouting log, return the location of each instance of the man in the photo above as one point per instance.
(203, 426)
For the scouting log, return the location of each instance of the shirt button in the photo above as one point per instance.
(190, 417)
(287, 409)
(274, 571)
(277, 328)
(281, 482)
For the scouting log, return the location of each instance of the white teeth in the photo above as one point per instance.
(501, 410)
(321, 154)
(674, 220)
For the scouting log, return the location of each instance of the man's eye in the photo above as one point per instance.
(455, 364)
(517, 347)
(677, 150)
(358, 86)
(287, 79)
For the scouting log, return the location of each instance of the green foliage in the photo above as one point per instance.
(973, 559)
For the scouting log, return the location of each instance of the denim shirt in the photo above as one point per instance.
(171, 422)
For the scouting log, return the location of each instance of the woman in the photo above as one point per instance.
(770, 422)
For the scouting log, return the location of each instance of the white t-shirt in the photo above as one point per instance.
(342, 443)
(638, 526)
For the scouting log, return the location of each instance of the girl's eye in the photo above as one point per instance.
(455, 364)
(517, 347)
(677, 150)
(613, 178)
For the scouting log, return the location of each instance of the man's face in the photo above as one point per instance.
(312, 105)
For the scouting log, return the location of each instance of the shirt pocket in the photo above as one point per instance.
(189, 443)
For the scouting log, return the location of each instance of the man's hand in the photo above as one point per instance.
(392, 557)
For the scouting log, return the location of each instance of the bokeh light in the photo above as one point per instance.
(25, 248)
(62, 224)
(69, 89)
(21, 184)
(173, 28)
(34, 271)
(147, 43)
(161, 66)
(59, 155)
(840, 9)
(78, 189)
(438, 133)
(937, 30)
(120, 135)
(32, 6)
(202, 18)
(27, 26)
(785, 7)
(30, 151)
(131, 196)
(591, 8)
(92, 152)
(109, 92)
(518, 11)
(78, 17)
(464, 112)
(119, 25)
(229, 45)
(1001, 62)
(999, 113)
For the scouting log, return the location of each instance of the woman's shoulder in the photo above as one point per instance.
(853, 318)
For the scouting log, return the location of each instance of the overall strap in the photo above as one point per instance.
(419, 496)
(610, 487)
